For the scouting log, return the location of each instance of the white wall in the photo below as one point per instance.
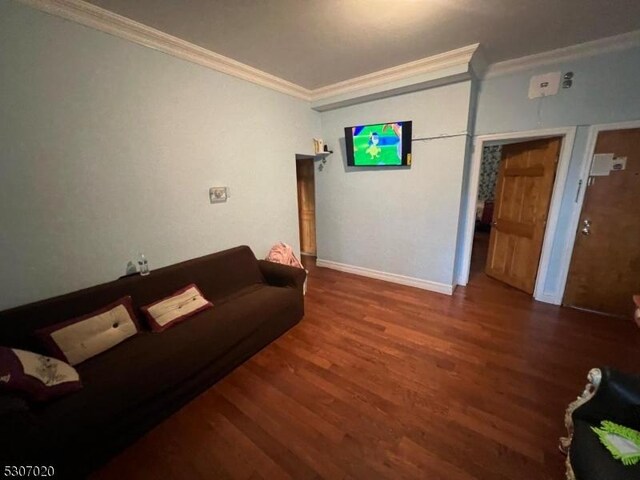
(109, 148)
(400, 221)
(605, 90)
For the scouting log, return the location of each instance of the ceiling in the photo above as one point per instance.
(314, 43)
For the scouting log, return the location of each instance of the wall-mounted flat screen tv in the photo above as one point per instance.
(379, 144)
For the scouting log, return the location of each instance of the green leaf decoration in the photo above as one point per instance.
(622, 442)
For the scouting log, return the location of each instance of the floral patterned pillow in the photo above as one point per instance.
(37, 377)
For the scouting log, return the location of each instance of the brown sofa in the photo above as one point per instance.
(133, 386)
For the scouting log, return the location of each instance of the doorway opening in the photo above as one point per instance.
(517, 183)
(514, 196)
(604, 270)
(305, 177)
(491, 156)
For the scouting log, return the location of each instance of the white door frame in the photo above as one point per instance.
(592, 139)
(568, 136)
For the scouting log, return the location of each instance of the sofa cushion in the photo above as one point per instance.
(590, 459)
(175, 308)
(37, 377)
(81, 338)
(118, 383)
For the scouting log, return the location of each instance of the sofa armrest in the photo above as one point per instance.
(282, 275)
(616, 398)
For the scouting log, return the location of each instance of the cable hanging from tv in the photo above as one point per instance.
(444, 135)
(381, 145)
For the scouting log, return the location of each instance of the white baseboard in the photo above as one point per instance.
(551, 298)
(388, 277)
(462, 280)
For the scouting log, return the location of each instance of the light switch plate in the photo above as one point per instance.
(601, 165)
(218, 194)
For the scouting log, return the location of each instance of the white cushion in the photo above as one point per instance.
(87, 336)
(176, 307)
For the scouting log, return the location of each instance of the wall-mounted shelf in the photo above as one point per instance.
(323, 156)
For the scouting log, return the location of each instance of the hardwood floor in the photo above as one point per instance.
(386, 381)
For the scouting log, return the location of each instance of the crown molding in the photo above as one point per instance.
(453, 58)
(418, 83)
(93, 16)
(469, 57)
(479, 63)
(573, 52)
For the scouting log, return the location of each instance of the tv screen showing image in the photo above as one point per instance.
(379, 145)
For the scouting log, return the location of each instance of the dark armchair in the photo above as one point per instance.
(609, 395)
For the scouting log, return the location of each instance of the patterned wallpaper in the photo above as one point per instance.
(489, 172)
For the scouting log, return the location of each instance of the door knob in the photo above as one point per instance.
(585, 231)
(586, 223)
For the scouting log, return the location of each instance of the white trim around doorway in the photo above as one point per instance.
(592, 139)
(568, 136)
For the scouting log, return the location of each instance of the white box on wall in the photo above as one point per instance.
(544, 85)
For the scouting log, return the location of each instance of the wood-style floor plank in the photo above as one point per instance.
(382, 381)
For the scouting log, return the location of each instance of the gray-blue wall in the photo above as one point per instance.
(362, 215)
(606, 89)
(398, 221)
(109, 148)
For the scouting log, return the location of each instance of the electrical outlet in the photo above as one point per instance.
(218, 194)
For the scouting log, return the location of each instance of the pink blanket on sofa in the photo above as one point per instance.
(283, 253)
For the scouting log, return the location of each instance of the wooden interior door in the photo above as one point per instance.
(306, 205)
(605, 265)
(523, 194)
